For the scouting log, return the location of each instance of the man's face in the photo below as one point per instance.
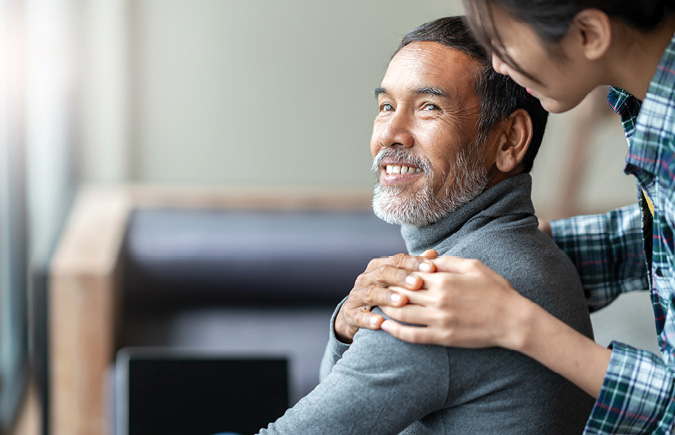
(426, 158)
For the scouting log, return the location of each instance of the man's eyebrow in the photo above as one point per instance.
(432, 91)
(423, 90)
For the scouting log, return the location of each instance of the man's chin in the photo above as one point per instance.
(419, 209)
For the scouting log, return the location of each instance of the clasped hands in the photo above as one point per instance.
(457, 302)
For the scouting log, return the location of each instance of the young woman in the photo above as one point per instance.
(560, 51)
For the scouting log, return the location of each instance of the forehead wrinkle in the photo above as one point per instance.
(430, 68)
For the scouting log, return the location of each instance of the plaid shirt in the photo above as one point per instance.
(638, 392)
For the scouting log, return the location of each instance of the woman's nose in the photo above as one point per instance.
(499, 65)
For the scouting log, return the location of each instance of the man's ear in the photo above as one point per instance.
(592, 32)
(514, 141)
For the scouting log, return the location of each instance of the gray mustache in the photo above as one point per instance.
(403, 157)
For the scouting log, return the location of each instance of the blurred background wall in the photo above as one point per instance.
(278, 93)
(241, 92)
(234, 93)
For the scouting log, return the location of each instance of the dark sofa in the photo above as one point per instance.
(236, 273)
(261, 282)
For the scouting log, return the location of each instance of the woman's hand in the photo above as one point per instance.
(464, 303)
(372, 288)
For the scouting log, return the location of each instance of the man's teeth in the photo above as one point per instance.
(396, 170)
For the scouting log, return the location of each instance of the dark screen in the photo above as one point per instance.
(203, 396)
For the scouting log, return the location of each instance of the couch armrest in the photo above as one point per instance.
(83, 293)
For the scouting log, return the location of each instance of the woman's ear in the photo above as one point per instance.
(592, 31)
(515, 141)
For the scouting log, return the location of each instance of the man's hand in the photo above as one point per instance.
(372, 288)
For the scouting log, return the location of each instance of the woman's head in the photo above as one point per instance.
(528, 38)
(551, 18)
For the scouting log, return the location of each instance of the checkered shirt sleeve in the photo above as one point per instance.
(607, 251)
(636, 396)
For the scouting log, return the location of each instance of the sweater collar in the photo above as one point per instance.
(510, 197)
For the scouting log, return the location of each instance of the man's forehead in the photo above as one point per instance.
(424, 64)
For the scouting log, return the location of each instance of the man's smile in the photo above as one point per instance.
(398, 172)
(400, 169)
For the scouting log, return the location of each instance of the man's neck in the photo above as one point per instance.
(512, 197)
(495, 176)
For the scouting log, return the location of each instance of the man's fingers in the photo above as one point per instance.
(391, 275)
(383, 296)
(406, 262)
(386, 276)
(369, 320)
(411, 334)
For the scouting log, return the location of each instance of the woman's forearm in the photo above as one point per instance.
(559, 347)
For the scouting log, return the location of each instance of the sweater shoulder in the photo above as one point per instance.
(534, 265)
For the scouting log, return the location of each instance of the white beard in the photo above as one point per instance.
(394, 205)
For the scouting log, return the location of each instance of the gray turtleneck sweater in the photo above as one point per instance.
(381, 385)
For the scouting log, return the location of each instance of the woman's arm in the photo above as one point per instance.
(607, 251)
(466, 304)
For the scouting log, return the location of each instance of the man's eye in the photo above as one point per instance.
(386, 107)
(429, 106)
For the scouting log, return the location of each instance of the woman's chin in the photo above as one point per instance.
(552, 105)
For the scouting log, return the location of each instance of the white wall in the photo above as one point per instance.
(247, 92)
(263, 92)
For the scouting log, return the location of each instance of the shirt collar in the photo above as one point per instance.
(641, 118)
(626, 106)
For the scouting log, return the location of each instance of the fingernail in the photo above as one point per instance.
(395, 297)
(426, 266)
(373, 322)
(385, 326)
(411, 280)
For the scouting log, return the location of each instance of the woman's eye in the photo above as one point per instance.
(386, 107)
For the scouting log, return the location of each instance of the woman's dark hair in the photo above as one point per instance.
(499, 95)
(551, 19)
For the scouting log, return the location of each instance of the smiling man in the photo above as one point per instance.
(420, 187)
(453, 143)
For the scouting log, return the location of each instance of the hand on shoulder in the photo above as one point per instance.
(374, 288)
(464, 303)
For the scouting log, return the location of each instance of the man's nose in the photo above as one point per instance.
(397, 132)
(499, 65)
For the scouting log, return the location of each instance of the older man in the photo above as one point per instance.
(452, 144)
